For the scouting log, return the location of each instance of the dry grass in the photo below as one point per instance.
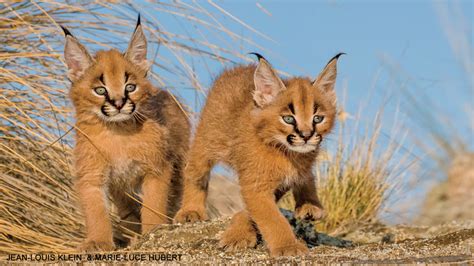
(37, 206)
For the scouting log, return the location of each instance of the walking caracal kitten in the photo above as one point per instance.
(132, 138)
(269, 130)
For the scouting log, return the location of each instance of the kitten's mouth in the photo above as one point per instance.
(111, 113)
(302, 146)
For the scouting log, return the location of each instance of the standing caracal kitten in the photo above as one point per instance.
(131, 139)
(269, 130)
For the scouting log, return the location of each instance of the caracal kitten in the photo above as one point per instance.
(269, 130)
(131, 139)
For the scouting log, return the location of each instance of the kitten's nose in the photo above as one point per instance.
(306, 134)
(119, 103)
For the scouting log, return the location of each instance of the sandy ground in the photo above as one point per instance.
(447, 243)
(451, 243)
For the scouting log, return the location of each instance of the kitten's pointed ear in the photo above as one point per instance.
(327, 78)
(137, 48)
(267, 83)
(76, 56)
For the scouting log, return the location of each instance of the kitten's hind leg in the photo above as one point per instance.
(196, 180)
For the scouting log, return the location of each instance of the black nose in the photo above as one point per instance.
(306, 135)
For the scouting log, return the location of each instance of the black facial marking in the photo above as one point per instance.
(295, 127)
(107, 97)
(292, 108)
(101, 78)
(109, 100)
(290, 138)
(102, 109)
(126, 76)
(315, 108)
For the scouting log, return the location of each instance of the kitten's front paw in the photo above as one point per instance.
(96, 246)
(190, 216)
(309, 212)
(235, 240)
(296, 249)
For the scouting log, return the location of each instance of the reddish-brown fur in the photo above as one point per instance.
(141, 151)
(242, 125)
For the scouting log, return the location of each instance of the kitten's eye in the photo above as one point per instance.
(318, 119)
(130, 87)
(289, 119)
(100, 90)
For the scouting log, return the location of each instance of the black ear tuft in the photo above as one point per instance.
(259, 56)
(336, 57)
(138, 22)
(66, 31)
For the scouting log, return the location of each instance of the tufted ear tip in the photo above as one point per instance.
(138, 21)
(336, 57)
(76, 56)
(326, 80)
(66, 31)
(267, 83)
(137, 47)
(259, 56)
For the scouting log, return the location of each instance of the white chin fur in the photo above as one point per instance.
(299, 148)
(302, 148)
(117, 118)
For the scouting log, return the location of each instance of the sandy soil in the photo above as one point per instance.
(447, 243)
(451, 243)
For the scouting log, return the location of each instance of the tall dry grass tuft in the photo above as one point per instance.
(356, 181)
(37, 206)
